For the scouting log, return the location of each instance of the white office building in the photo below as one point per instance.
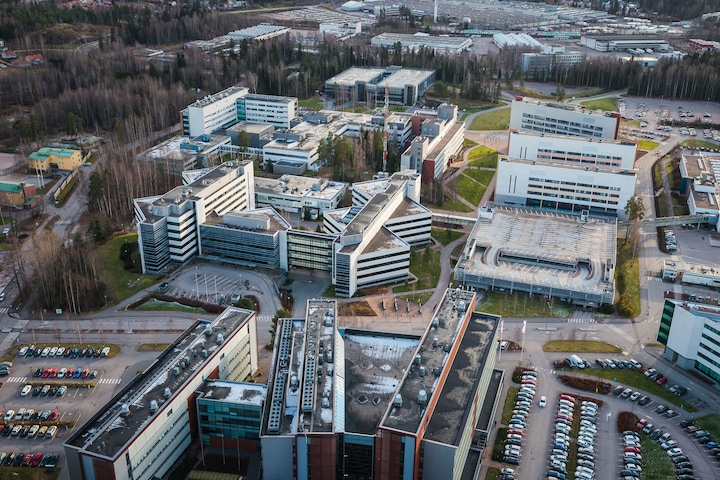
(168, 225)
(690, 332)
(700, 174)
(292, 193)
(268, 109)
(533, 115)
(212, 112)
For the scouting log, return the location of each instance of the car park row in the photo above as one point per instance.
(559, 454)
(38, 459)
(71, 352)
(516, 427)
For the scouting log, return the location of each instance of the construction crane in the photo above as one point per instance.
(386, 114)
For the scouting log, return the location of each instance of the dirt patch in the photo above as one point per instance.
(627, 421)
(587, 384)
(356, 309)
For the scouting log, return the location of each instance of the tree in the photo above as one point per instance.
(635, 211)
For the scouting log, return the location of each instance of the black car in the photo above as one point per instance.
(36, 391)
(684, 465)
(644, 400)
(9, 459)
(8, 429)
(35, 416)
(90, 352)
(66, 354)
(661, 409)
(38, 372)
(24, 431)
(511, 460)
(684, 471)
(705, 439)
(52, 391)
(681, 391)
(685, 477)
(655, 434)
(618, 390)
(18, 460)
(680, 459)
(685, 423)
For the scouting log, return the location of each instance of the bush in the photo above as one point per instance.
(606, 308)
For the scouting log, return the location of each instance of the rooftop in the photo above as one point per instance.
(705, 200)
(208, 100)
(453, 348)
(376, 363)
(180, 147)
(299, 186)
(111, 429)
(47, 151)
(234, 392)
(261, 219)
(12, 187)
(405, 76)
(357, 74)
(542, 248)
(704, 169)
(433, 41)
(308, 373)
(569, 107)
(261, 30)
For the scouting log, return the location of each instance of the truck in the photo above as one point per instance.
(573, 361)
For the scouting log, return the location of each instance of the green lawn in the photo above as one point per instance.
(627, 278)
(647, 145)
(495, 120)
(445, 236)
(155, 305)
(699, 144)
(656, 465)
(121, 283)
(23, 473)
(469, 189)
(636, 380)
(480, 176)
(711, 423)
(488, 161)
(586, 346)
(492, 473)
(469, 143)
(509, 404)
(479, 152)
(453, 205)
(518, 305)
(425, 265)
(607, 104)
(315, 103)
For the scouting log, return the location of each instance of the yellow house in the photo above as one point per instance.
(59, 158)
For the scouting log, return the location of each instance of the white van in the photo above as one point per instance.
(52, 430)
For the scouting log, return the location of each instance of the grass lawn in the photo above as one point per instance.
(492, 473)
(480, 176)
(647, 145)
(670, 169)
(627, 277)
(656, 465)
(152, 347)
(509, 404)
(469, 189)
(586, 346)
(155, 305)
(22, 473)
(121, 283)
(314, 103)
(518, 305)
(416, 298)
(488, 161)
(469, 143)
(445, 236)
(496, 120)
(636, 380)
(455, 206)
(699, 144)
(479, 152)
(425, 265)
(607, 104)
(711, 423)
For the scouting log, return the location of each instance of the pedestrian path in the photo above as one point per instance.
(111, 381)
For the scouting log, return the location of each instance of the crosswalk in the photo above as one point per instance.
(654, 279)
(16, 380)
(264, 318)
(111, 381)
(580, 316)
(4, 309)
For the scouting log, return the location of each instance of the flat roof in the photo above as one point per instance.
(433, 41)
(173, 147)
(234, 392)
(569, 165)
(568, 107)
(434, 360)
(707, 201)
(357, 74)
(295, 185)
(109, 430)
(565, 138)
(204, 102)
(376, 362)
(260, 30)
(522, 245)
(405, 76)
(274, 221)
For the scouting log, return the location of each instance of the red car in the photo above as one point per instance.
(662, 380)
(641, 423)
(26, 460)
(36, 459)
(567, 397)
(633, 449)
(45, 373)
(53, 415)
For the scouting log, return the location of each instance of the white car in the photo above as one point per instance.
(543, 401)
(26, 390)
(674, 452)
(9, 415)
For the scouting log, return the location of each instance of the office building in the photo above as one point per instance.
(568, 257)
(361, 84)
(212, 112)
(179, 154)
(254, 238)
(373, 405)
(614, 43)
(440, 138)
(704, 45)
(414, 42)
(268, 109)
(690, 332)
(48, 158)
(306, 195)
(569, 174)
(262, 31)
(546, 63)
(168, 225)
(553, 118)
(229, 414)
(143, 431)
(700, 174)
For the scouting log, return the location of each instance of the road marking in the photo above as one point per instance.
(16, 379)
(4, 310)
(110, 381)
